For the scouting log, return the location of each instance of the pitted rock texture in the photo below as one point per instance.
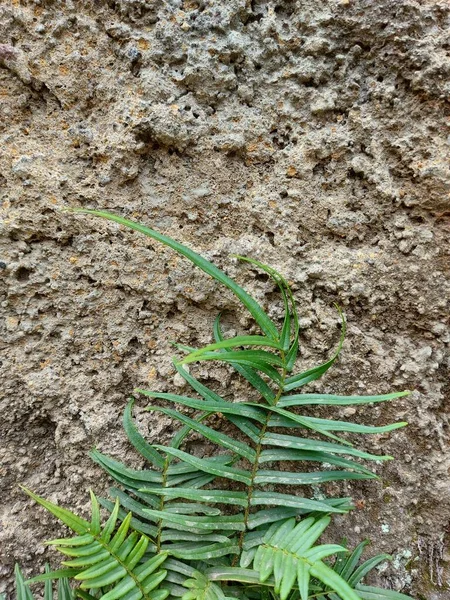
(308, 134)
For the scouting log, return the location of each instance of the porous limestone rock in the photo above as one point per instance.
(309, 134)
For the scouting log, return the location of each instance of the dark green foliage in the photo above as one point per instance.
(227, 522)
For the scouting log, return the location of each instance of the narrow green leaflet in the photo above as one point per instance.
(198, 550)
(248, 373)
(138, 441)
(75, 523)
(260, 360)
(243, 409)
(241, 340)
(191, 508)
(313, 478)
(261, 498)
(250, 303)
(225, 523)
(209, 466)
(331, 400)
(246, 357)
(330, 425)
(209, 496)
(308, 423)
(174, 535)
(219, 438)
(235, 574)
(271, 515)
(297, 443)
(132, 478)
(288, 454)
(63, 590)
(325, 574)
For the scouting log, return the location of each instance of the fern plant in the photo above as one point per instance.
(101, 557)
(232, 524)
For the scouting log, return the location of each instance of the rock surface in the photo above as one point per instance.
(308, 134)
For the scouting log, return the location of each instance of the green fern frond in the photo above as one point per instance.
(106, 559)
(288, 553)
(180, 501)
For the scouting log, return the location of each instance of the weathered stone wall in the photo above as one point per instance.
(309, 134)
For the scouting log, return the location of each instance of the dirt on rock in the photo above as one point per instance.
(311, 135)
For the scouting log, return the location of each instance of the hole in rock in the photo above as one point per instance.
(23, 274)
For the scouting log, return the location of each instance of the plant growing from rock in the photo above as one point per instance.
(228, 525)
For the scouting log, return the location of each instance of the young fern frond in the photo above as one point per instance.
(105, 559)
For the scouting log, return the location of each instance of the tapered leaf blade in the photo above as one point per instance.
(234, 574)
(75, 523)
(209, 466)
(239, 409)
(333, 400)
(327, 576)
(250, 357)
(217, 437)
(326, 425)
(138, 441)
(313, 478)
(247, 372)
(225, 523)
(52, 575)
(234, 342)
(250, 303)
(288, 454)
(297, 443)
(209, 496)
